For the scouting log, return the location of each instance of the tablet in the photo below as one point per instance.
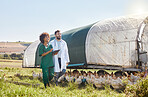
(56, 51)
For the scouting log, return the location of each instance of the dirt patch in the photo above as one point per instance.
(12, 66)
(15, 61)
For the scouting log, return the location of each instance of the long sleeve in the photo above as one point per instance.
(66, 53)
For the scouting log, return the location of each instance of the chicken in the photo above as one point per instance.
(61, 78)
(135, 79)
(98, 83)
(35, 75)
(3, 77)
(67, 78)
(71, 78)
(116, 83)
(92, 78)
(2, 70)
(129, 82)
(88, 79)
(102, 79)
(78, 80)
(41, 75)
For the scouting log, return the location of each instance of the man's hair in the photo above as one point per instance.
(56, 32)
(42, 36)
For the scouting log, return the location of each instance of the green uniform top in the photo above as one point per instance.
(47, 60)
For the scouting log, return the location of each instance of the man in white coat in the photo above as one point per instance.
(61, 60)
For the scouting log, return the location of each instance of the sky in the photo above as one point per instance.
(25, 20)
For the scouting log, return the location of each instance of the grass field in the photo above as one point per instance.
(10, 63)
(70, 90)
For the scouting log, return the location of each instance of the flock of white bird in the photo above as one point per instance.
(100, 80)
(93, 78)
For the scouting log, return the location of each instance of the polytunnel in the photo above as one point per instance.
(30, 54)
(116, 42)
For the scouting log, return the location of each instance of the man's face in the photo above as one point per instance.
(58, 35)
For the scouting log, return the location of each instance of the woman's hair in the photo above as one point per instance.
(42, 36)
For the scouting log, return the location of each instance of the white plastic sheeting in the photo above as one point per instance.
(29, 54)
(144, 39)
(113, 41)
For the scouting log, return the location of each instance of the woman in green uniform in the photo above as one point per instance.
(45, 50)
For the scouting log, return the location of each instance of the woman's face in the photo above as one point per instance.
(47, 39)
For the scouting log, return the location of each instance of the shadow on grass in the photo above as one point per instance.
(24, 77)
(69, 85)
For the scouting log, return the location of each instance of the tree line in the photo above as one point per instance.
(12, 56)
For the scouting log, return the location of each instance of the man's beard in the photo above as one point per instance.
(58, 38)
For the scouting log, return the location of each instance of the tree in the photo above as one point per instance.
(19, 56)
(13, 55)
(6, 56)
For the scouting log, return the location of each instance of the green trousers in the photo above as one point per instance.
(51, 73)
(48, 74)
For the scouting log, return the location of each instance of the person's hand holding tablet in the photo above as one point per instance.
(55, 52)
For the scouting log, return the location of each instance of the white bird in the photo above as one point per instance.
(92, 78)
(78, 80)
(67, 78)
(129, 82)
(109, 80)
(98, 83)
(116, 83)
(35, 75)
(61, 78)
(2, 70)
(120, 81)
(102, 79)
(41, 75)
(3, 77)
(136, 78)
(88, 79)
(71, 78)
(132, 77)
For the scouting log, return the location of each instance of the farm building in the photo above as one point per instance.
(116, 43)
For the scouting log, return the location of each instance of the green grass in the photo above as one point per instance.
(10, 63)
(8, 89)
(139, 89)
(72, 90)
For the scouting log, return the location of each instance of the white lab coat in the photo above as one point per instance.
(64, 55)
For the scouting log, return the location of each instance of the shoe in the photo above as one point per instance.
(61, 78)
